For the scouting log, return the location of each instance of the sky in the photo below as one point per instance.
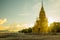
(25, 12)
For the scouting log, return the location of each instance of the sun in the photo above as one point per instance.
(51, 20)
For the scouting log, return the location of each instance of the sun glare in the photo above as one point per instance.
(51, 20)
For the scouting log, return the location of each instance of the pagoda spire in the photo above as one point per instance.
(42, 3)
(42, 12)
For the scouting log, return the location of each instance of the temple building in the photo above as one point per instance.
(55, 27)
(41, 24)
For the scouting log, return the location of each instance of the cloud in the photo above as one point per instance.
(14, 27)
(2, 21)
(25, 14)
(37, 0)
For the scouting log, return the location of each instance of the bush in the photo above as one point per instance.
(29, 30)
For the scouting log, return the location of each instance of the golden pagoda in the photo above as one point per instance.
(41, 25)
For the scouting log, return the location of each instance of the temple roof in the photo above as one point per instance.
(42, 12)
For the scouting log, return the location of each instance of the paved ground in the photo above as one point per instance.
(28, 37)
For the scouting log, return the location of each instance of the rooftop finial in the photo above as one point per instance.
(42, 3)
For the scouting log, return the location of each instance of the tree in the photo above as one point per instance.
(29, 30)
(55, 27)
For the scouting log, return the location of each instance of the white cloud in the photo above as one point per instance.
(14, 27)
(36, 9)
(25, 14)
(37, 0)
(2, 21)
(54, 7)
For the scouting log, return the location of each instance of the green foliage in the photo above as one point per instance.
(29, 30)
(56, 28)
